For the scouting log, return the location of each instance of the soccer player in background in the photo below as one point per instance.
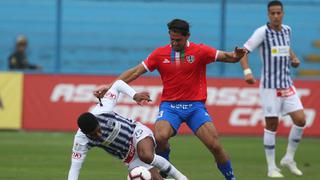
(182, 67)
(123, 138)
(277, 92)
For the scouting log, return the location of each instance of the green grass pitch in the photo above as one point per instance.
(46, 156)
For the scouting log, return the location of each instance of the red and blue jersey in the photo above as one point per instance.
(183, 73)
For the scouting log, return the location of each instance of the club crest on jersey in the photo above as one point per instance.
(138, 133)
(190, 59)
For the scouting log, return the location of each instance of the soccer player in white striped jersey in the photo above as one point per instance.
(277, 92)
(130, 141)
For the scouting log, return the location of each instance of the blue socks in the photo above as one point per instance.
(226, 170)
(165, 154)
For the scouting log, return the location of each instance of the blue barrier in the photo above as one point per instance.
(108, 37)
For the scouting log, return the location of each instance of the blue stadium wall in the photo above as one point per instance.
(108, 37)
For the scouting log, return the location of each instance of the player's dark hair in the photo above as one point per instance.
(179, 26)
(275, 3)
(87, 122)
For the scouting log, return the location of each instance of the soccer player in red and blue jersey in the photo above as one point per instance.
(182, 67)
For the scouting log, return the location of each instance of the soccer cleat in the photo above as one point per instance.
(275, 173)
(292, 166)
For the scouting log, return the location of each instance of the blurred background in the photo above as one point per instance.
(110, 36)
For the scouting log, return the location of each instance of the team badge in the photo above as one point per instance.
(190, 59)
(138, 133)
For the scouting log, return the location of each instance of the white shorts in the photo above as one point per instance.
(140, 132)
(277, 102)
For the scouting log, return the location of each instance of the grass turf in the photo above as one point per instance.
(35, 155)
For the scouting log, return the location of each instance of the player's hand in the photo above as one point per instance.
(295, 62)
(239, 53)
(100, 91)
(249, 79)
(142, 98)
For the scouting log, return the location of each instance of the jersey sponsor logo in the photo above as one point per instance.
(190, 59)
(277, 51)
(110, 95)
(285, 92)
(180, 106)
(76, 155)
(166, 61)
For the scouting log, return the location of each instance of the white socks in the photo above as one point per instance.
(269, 141)
(293, 141)
(167, 167)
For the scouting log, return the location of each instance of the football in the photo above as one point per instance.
(139, 173)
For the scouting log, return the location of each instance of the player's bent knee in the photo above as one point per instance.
(162, 138)
(163, 131)
(301, 123)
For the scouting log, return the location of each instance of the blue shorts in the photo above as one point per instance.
(194, 113)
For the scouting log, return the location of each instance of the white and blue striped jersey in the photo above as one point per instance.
(274, 49)
(117, 131)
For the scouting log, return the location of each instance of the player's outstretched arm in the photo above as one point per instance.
(121, 87)
(231, 57)
(140, 98)
(127, 77)
(133, 73)
(78, 156)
